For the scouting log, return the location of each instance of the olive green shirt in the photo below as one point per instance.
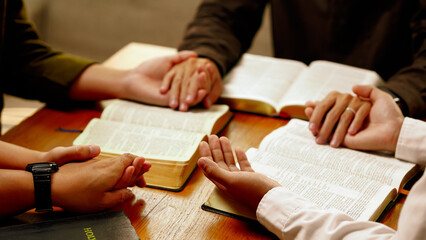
(28, 67)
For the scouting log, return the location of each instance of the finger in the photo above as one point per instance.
(227, 153)
(125, 179)
(309, 111)
(62, 155)
(372, 93)
(196, 84)
(183, 56)
(201, 94)
(332, 116)
(186, 81)
(310, 104)
(320, 111)
(341, 129)
(212, 171)
(214, 94)
(115, 197)
(211, 76)
(123, 161)
(138, 164)
(216, 151)
(174, 91)
(364, 91)
(167, 80)
(205, 150)
(141, 182)
(242, 160)
(361, 115)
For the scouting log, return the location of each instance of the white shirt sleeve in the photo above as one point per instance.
(411, 144)
(290, 216)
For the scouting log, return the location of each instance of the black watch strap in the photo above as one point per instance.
(42, 175)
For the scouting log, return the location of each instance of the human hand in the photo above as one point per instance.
(192, 81)
(97, 184)
(62, 155)
(218, 164)
(379, 130)
(143, 82)
(383, 125)
(335, 115)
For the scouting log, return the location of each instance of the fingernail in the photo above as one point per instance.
(173, 103)
(202, 163)
(189, 98)
(208, 103)
(320, 140)
(312, 126)
(333, 143)
(351, 130)
(94, 150)
(182, 107)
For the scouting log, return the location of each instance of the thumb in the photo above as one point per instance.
(368, 91)
(116, 197)
(182, 56)
(62, 155)
(364, 91)
(213, 172)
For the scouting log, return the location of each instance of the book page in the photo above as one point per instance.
(328, 188)
(324, 77)
(261, 78)
(296, 143)
(149, 142)
(195, 120)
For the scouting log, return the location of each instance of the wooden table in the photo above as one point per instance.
(158, 214)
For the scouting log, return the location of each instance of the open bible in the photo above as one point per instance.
(273, 86)
(360, 184)
(168, 139)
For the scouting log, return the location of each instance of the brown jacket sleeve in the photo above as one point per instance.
(410, 83)
(223, 30)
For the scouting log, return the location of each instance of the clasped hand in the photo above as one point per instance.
(84, 183)
(374, 125)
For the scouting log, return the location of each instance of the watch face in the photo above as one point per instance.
(43, 167)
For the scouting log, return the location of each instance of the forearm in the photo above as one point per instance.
(290, 216)
(16, 192)
(98, 82)
(38, 71)
(16, 157)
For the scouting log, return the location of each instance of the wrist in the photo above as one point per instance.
(397, 99)
(124, 82)
(394, 140)
(42, 175)
(98, 82)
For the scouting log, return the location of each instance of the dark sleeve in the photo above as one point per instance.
(409, 84)
(31, 68)
(223, 30)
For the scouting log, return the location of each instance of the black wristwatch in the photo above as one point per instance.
(42, 173)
